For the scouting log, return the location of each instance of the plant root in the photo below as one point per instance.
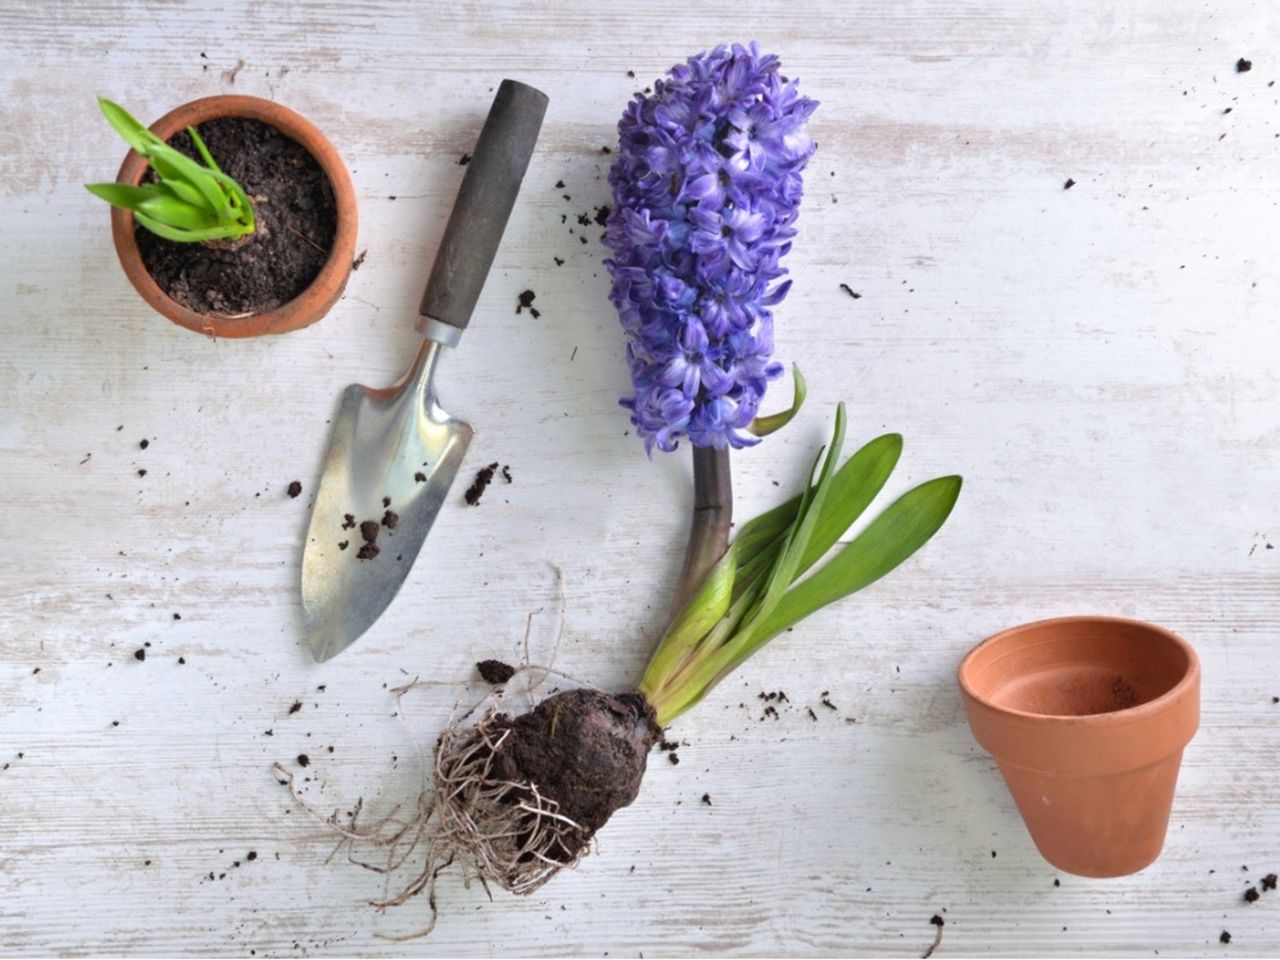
(498, 832)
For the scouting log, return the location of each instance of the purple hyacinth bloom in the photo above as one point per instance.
(706, 189)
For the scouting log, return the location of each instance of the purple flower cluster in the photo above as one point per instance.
(706, 188)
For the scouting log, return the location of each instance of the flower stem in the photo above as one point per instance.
(712, 518)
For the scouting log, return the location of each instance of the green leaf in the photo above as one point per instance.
(201, 149)
(130, 130)
(177, 213)
(121, 194)
(186, 193)
(763, 426)
(903, 528)
(172, 165)
(189, 236)
(811, 504)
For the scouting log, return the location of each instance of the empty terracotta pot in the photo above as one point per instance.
(1087, 718)
(322, 293)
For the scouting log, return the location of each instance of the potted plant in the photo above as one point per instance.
(232, 216)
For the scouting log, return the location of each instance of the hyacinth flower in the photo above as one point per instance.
(707, 186)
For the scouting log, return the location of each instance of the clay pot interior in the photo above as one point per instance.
(1077, 676)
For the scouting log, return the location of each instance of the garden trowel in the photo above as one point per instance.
(393, 453)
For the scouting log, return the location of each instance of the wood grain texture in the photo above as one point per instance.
(1099, 362)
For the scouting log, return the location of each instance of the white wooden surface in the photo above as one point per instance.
(1100, 364)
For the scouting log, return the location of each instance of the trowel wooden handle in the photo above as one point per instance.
(480, 213)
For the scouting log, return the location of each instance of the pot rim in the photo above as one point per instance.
(327, 285)
(1142, 711)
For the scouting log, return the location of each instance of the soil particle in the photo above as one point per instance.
(559, 184)
(140, 654)
(251, 855)
(390, 519)
(142, 473)
(1269, 881)
(506, 473)
(369, 530)
(295, 488)
(1224, 937)
(669, 745)
(1068, 184)
(342, 545)
(182, 661)
(812, 716)
(495, 671)
(826, 700)
(559, 262)
(386, 501)
(304, 760)
(1243, 65)
(464, 159)
(177, 616)
(585, 750)
(584, 220)
(706, 798)
(484, 477)
(674, 758)
(143, 444)
(368, 551)
(1251, 895)
(296, 218)
(602, 215)
(348, 521)
(420, 477)
(850, 291)
(525, 302)
(358, 262)
(297, 705)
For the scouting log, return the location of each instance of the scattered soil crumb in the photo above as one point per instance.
(559, 184)
(368, 551)
(850, 291)
(142, 473)
(1224, 937)
(1251, 895)
(369, 530)
(304, 760)
(251, 855)
(140, 654)
(390, 519)
(386, 501)
(295, 488)
(420, 477)
(525, 302)
(938, 922)
(182, 661)
(1269, 881)
(343, 544)
(464, 159)
(177, 616)
(358, 262)
(506, 473)
(495, 671)
(348, 521)
(143, 444)
(706, 798)
(1068, 184)
(812, 716)
(826, 700)
(1243, 65)
(297, 705)
(674, 758)
(1057, 882)
(484, 476)
(559, 262)
(669, 745)
(602, 215)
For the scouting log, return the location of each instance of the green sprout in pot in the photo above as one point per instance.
(187, 201)
(706, 186)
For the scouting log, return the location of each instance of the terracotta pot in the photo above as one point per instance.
(304, 309)
(1087, 718)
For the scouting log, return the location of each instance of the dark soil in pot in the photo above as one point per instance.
(296, 218)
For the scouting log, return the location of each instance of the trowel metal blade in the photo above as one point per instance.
(391, 450)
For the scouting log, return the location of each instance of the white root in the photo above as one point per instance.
(497, 832)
